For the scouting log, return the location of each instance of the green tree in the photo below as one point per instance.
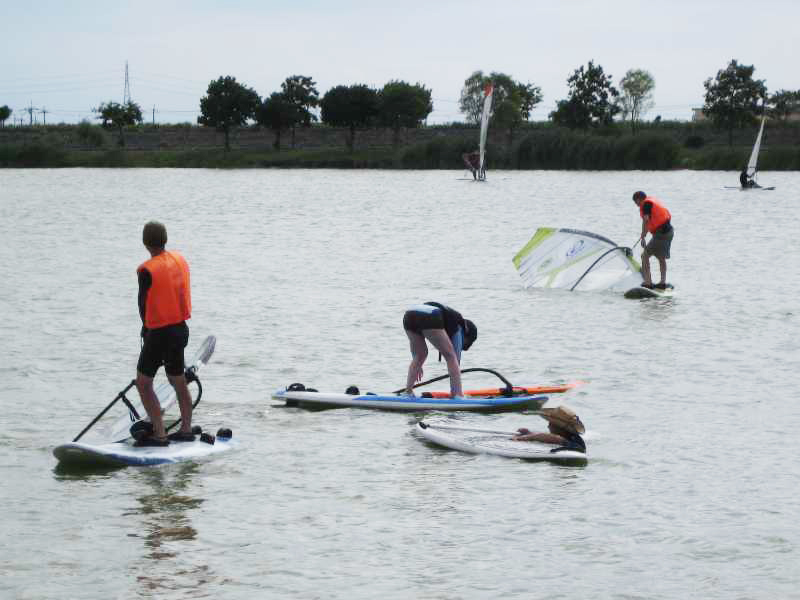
(118, 116)
(637, 95)
(349, 106)
(732, 97)
(5, 112)
(591, 99)
(512, 102)
(401, 104)
(783, 103)
(278, 113)
(471, 101)
(530, 95)
(227, 104)
(301, 91)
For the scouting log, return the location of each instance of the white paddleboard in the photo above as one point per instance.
(747, 189)
(638, 292)
(498, 443)
(306, 399)
(124, 454)
(120, 430)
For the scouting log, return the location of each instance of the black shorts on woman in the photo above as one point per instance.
(164, 346)
(415, 321)
(442, 317)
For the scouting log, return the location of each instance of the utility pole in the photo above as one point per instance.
(154, 114)
(44, 112)
(30, 110)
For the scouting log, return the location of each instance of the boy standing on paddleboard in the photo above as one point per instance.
(165, 303)
(656, 220)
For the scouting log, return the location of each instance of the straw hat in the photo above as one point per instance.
(562, 417)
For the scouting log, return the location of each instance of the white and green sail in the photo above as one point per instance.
(752, 164)
(576, 260)
(485, 115)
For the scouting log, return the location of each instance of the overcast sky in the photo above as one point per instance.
(69, 56)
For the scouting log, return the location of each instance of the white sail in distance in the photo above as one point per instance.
(571, 259)
(752, 164)
(487, 112)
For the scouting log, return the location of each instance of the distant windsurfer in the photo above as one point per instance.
(564, 428)
(657, 221)
(447, 330)
(472, 160)
(165, 304)
(746, 180)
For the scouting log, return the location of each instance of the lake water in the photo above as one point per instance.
(303, 276)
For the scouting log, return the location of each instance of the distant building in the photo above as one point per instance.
(699, 115)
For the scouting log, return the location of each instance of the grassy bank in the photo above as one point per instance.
(37, 155)
(537, 146)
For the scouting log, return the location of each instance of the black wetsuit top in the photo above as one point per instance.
(452, 319)
(574, 442)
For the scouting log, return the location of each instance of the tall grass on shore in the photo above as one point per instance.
(780, 158)
(564, 149)
(554, 149)
(540, 147)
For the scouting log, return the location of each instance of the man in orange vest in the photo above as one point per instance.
(165, 303)
(656, 220)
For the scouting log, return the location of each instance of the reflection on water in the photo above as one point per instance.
(164, 523)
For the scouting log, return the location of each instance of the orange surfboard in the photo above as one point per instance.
(517, 391)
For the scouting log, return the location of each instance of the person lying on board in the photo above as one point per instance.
(745, 180)
(472, 160)
(447, 330)
(165, 303)
(657, 221)
(565, 429)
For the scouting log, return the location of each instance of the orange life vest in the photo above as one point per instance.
(169, 299)
(658, 214)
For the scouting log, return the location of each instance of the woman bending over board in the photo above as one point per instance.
(565, 429)
(447, 330)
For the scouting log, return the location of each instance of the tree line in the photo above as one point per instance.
(733, 99)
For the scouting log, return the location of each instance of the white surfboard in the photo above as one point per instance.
(639, 293)
(116, 448)
(498, 443)
(123, 454)
(310, 399)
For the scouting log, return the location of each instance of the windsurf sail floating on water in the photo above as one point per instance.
(576, 260)
(752, 164)
(487, 112)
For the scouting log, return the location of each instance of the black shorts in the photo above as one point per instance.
(164, 346)
(416, 321)
(661, 242)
